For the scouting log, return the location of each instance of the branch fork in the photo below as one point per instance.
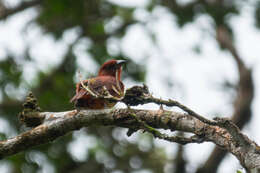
(52, 125)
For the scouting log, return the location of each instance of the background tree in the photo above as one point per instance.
(90, 32)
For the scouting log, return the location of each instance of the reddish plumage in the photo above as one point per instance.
(107, 82)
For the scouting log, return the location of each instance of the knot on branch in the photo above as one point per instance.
(30, 115)
(239, 138)
(135, 95)
(223, 122)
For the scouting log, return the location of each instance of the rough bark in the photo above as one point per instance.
(51, 125)
(57, 124)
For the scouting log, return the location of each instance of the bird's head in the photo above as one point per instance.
(112, 68)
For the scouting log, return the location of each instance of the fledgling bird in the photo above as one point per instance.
(103, 91)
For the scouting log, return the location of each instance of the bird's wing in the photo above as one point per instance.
(80, 91)
(89, 88)
(102, 86)
(106, 86)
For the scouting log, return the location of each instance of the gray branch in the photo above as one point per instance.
(57, 124)
(48, 126)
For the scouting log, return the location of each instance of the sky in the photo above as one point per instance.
(195, 78)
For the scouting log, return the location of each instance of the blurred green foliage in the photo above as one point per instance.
(54, 89)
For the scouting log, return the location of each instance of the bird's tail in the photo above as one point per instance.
(78, 95)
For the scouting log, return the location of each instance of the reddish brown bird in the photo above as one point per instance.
(103, 91)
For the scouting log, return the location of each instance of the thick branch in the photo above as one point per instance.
(60, 123)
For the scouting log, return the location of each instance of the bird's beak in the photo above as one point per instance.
(121, 62)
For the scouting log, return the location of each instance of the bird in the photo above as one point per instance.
(103, 91)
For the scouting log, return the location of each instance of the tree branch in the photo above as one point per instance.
(56, 124)
(242, 103)
(5, 12)
(179, 161)
(140, 95)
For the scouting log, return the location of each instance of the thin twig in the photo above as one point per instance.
(141, 95)
(172, 103)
